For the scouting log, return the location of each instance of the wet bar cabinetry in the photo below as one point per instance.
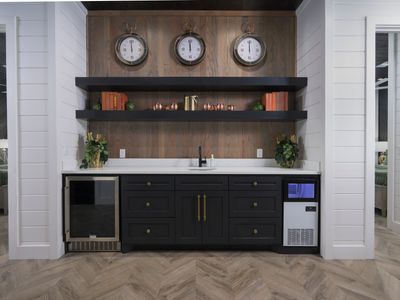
(202, 212)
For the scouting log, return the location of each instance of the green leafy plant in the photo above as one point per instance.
(286, 151)
(96, 151)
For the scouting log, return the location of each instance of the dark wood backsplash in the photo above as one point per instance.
(219, 30)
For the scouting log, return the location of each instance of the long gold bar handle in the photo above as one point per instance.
(205, 207)
(198, 208)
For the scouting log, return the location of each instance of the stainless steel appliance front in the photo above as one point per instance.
(92, 213)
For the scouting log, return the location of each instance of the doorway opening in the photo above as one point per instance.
(381, 126)
(3, 146)
(387, 141)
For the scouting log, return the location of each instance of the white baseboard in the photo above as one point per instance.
(31, 252)
(351, 252)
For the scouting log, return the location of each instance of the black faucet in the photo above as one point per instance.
(201, 161)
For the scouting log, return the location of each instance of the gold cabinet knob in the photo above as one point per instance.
(148, 183)
(148, 231)
(255, 231)
(148, 204)
(255, 204)
(255, 183)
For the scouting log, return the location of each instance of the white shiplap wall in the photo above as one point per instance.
(44, 108)
(349, 54)
(71, 62)
(69, 52)
(310, 64)
(32, 205)
(29, 223)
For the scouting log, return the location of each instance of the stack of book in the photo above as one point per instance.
(113, 101)
(276, 101)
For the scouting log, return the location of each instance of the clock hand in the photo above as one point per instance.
(190, 45)
(249, 42)
(131, 45)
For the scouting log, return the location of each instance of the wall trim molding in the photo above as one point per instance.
(211, 13)
(373, 25)
(12, 134)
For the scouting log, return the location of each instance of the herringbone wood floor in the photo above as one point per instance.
(203, 275)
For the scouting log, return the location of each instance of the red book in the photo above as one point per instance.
(103, 101)
(274, 96)
(109, 101)
(271, 100)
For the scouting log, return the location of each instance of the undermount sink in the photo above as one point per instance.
(202, 168)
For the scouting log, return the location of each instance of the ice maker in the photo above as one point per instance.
(301, 212)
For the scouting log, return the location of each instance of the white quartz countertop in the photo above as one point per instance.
(181, 166)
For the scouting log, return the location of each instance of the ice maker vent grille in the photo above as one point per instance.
(94, 246)
(300, 237)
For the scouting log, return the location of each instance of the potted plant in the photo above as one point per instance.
(286, 151)
(96, 151)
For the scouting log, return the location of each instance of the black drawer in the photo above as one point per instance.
(262, 204)
(144, 204)
(147, 183)
(254, 183)
(148, 231)
(255, 231)
(201, 183)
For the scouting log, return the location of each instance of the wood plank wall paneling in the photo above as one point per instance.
(163, 139)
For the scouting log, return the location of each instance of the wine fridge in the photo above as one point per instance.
(91, 213)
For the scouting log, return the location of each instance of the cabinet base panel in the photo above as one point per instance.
(125, 248)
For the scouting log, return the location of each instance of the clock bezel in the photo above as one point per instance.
(203, 50)
(244, 62)
(124, 36)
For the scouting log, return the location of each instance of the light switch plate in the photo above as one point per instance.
(122, 153)
(259, 153)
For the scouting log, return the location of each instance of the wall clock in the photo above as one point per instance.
(189, 48)
(249, 49)
(131, 49)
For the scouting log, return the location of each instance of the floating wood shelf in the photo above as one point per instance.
(194, 116)
(229, 84)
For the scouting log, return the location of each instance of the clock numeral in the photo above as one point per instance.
(249, 57)
(183, 48)
(257, 50)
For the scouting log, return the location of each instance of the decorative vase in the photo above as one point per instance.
(96, 162)
(287, 164)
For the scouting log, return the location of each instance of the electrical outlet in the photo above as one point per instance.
(259, 153)
(122, 153)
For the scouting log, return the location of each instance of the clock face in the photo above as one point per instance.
(131, 49)
(249, 50)
(189, 48)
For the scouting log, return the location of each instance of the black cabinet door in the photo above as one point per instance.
(215, 217)
(266, 231)
(261, 204)
(160, 231)
(188, 218)
(147, 183)
(144, 204)
(201, 183)
(254, 183)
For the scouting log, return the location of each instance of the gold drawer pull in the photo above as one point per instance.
(255, 183)
(255, 231)
(148, 183)
(198, 208)
(205, 207)
(148, 204)
(255, 204)
(148, 231)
